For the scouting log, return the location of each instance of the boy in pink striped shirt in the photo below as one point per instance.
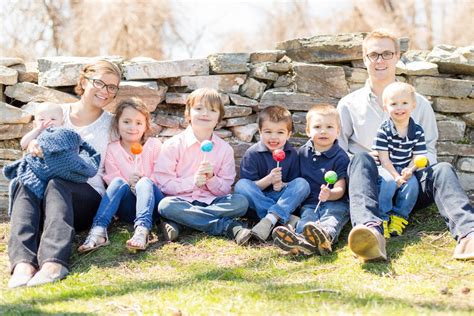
(198, 184)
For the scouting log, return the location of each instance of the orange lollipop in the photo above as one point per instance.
(136, 148)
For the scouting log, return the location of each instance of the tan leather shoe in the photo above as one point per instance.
(464, 249)
(367, 243)
(49, 272)
(22, 273)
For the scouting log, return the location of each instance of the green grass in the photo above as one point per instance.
(204, 275)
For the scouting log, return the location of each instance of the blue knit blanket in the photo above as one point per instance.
(65, 156)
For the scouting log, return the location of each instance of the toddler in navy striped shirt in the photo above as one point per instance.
(399, 139)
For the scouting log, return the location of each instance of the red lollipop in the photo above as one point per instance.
(278, 155)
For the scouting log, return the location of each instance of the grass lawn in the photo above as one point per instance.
(204, 275)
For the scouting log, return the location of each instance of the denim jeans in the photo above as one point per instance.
(281, 203)
(332, 216)
(212, 219)
(43, 230)
(136, 208)
(405, 196)
(438, 183)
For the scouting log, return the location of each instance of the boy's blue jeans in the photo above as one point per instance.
(405, 196)
(282, 203)
(119, 200)
(213, 219)
(332, 216)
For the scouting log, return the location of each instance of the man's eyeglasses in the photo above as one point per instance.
(99, 84)
(373, 57)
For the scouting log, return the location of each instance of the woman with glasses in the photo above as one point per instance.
(42, 230)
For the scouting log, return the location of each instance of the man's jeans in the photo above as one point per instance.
(332, 216)
(438, 183)
(119, 199)
(282, 203)
(405, 196)
(43, 230)
(212, 219)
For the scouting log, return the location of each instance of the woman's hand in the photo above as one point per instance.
(34, 149)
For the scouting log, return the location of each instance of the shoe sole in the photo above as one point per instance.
(287, 240)
(243, 240)
(169, 236)
(317, 238)
(93, 248)
(364, 244)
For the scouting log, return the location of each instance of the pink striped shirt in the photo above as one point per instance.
(119, 163)
(179, 160)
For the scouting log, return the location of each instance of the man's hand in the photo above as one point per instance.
(375, 155)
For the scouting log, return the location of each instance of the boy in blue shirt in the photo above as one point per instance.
(319, 228)
(273, 192)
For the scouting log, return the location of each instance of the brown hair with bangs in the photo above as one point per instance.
(136, 104)
(275, 114)
(209, 98)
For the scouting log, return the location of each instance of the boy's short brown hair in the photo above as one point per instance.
(378, 34)
(396, 87)
(208, 97)
(324, 109)
(275, 114)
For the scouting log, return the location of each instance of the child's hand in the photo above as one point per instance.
(278, 186)
(132, 181)
(275, 175)
(325, 193)
(199, 179)
(407, 173)
(206, 169)
(45, 124)
(400, 180)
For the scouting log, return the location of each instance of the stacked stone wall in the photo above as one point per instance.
(297, 74)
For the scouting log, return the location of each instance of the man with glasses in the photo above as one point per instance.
(361, 114)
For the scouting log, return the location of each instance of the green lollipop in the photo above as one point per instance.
(330, 177)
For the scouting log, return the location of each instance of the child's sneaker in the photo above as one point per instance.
(286, 239)
(318, 237)
(170, 230)
(397, 225)
(238, 232)
(263, 229)
(386, 229)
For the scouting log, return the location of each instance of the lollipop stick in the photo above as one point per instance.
(278, 164)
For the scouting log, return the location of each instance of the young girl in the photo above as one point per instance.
(200, 183)
(132, 195)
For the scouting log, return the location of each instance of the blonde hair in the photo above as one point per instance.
(47, 107)
(324, 109)
(208, 97)
(379, 34)
(103, 66)
(136, 104)
(275, 114)
(397, 87)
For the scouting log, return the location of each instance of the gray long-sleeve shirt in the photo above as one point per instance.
(361, 117)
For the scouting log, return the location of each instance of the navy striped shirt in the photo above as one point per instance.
(400, 149)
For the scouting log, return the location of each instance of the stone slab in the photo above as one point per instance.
(228, 63)
(166, 69)
(64, 70)
(320, 80)
(293, 101)
(13, 115)
(27, 92)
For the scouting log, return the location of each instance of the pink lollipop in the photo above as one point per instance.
(278, 155)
